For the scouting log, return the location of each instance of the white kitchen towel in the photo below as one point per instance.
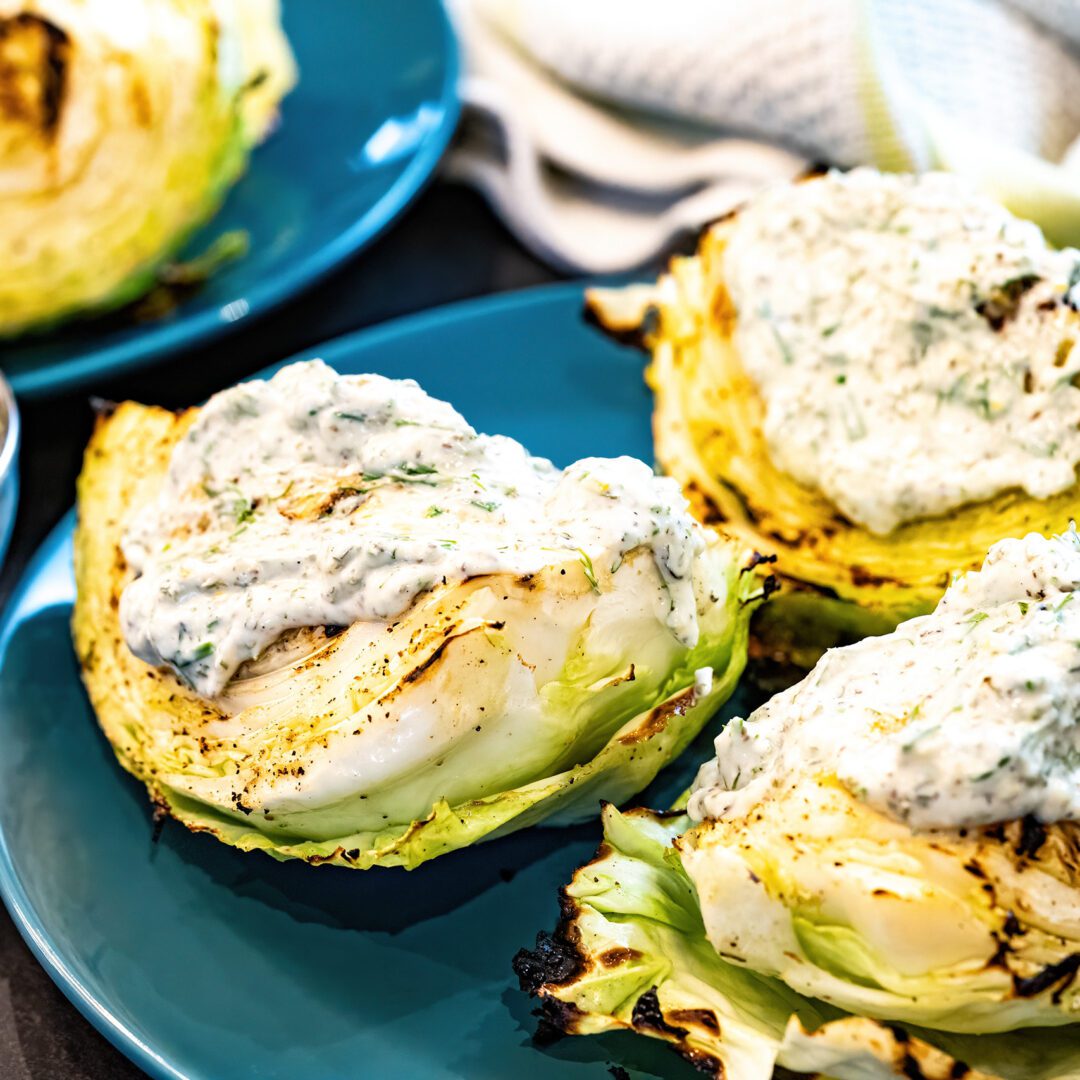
(600, 130)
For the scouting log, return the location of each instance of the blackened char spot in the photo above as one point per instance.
(1063, 973)
(1000, 959)
(911, 1068)
(705, 1018)
(756, 559)
(648, 1014)
(704, 1063)
(769, 585)
(553, 961)
(556, 1019)
(909, 1064)
(618, 1072)
(1032, 837)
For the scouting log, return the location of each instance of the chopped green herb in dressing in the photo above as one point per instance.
(314, 499)
(956, 327)
(967, 716)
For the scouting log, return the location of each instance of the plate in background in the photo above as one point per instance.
(360, 133)
(200, 961)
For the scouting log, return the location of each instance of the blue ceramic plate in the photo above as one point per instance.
(363, 129)
(199, 961)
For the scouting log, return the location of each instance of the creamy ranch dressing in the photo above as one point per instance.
(912, 341)
(966, 716)
(316, 499)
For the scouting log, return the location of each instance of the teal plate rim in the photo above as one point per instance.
(167, 339)
(23, 601)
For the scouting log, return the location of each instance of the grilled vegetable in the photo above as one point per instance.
(489, 702)
(631, 954)
(122, 127)
(871, 378)
(894, 841)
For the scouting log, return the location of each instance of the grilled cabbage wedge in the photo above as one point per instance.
(631, 951)
(122, 127)
(508, 750)
(840, 581)
(894, 841)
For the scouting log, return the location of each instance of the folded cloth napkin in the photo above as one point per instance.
(602, 130)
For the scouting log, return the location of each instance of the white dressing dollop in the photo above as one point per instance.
(315, 499)
(913, 343)
(967, 716)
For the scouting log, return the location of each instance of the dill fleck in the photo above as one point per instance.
(990, 772)
(243, 510)
(201, 653)
(590, 573)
